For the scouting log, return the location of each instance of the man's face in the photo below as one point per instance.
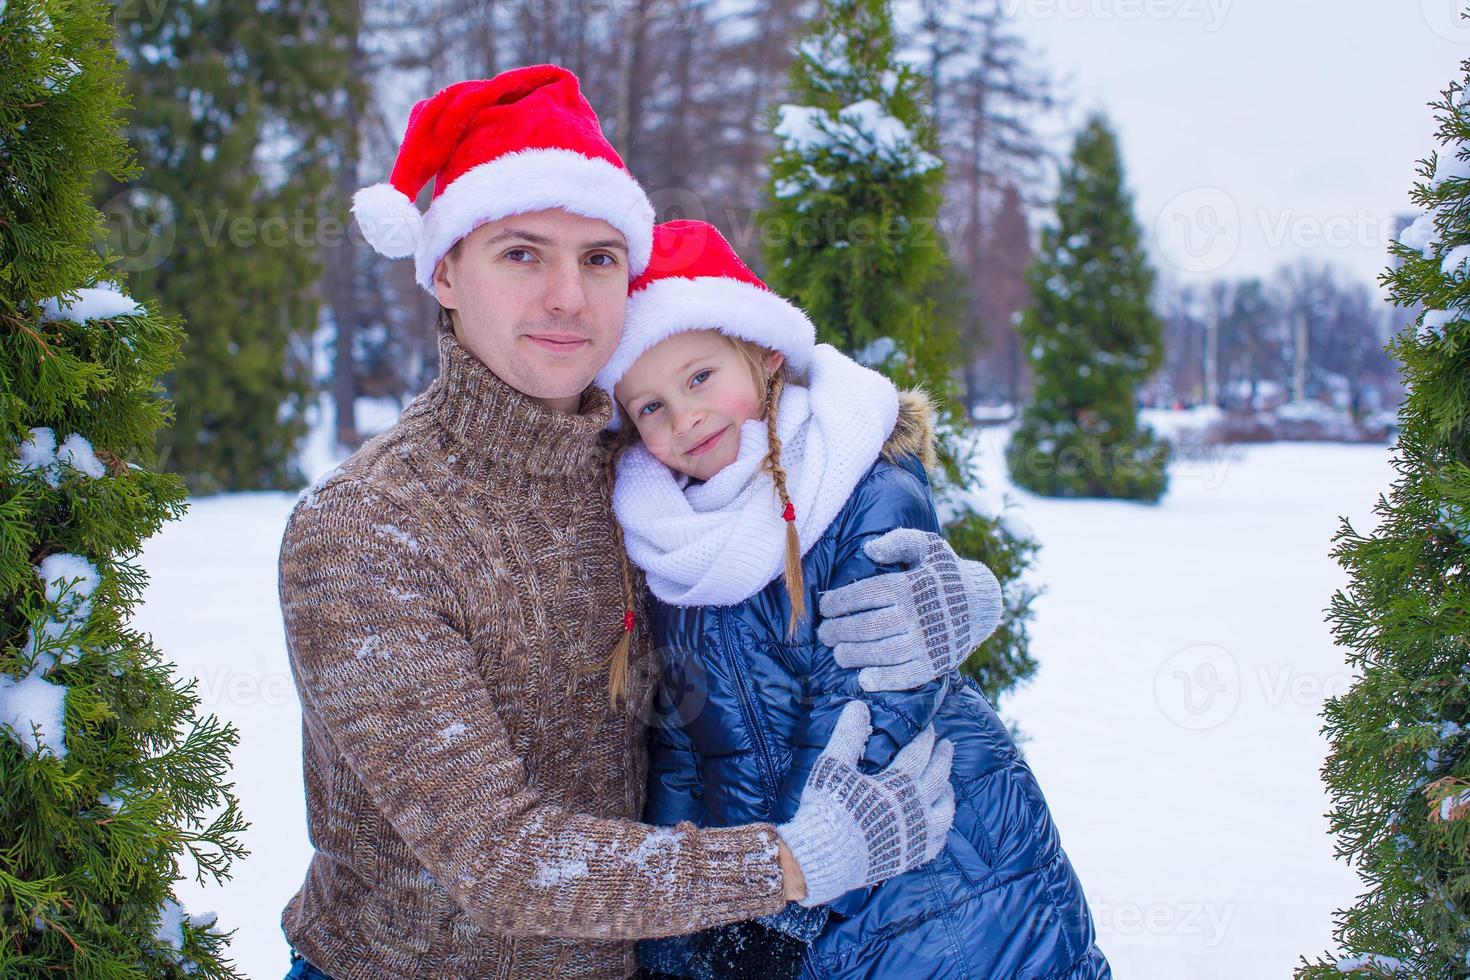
(539, 298)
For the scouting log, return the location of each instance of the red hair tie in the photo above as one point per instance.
(790, 512)
(628, 620)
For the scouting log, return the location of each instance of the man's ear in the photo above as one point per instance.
(774, 360)
(443, 289)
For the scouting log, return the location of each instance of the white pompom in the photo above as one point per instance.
(389, 220)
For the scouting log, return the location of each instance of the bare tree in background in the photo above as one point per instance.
(1252, 341)
(698, 78)
(1181, 380)
(988, 89)
(684, 88)
(342, 294)
(1338, 329)
(999, 296)
(1256, 328)
(681, 86)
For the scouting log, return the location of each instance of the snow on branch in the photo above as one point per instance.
(102, 302)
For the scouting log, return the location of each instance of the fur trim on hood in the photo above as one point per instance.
(913, 433)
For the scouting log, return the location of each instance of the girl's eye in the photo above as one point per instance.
(649, 409)
(699, 378)
(518, 255)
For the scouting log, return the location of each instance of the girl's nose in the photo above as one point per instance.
(686, 418)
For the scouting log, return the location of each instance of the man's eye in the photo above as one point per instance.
(609, 260)
(649, 409)
(699, 378)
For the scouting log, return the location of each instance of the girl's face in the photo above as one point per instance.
(688, 396)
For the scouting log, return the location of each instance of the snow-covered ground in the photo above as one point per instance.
(1173, 722)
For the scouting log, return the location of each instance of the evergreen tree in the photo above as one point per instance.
(238, 125)
(1398, 771)
(856, 188)
(109, 778)
(852, 237)
(1092, 339)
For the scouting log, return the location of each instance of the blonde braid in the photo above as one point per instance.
(617, 687)
(795, 582)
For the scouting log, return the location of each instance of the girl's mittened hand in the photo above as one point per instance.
(904, 629)
(852, 829)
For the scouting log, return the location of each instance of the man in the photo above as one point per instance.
(452, 592)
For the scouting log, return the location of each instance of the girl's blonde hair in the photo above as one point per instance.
(755, 355)
(772, 384)
(617, 673)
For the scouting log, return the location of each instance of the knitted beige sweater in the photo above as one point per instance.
(451, 595)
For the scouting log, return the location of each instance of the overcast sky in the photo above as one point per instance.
(1257, 131)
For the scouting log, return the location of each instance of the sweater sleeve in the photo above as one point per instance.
(378, 658)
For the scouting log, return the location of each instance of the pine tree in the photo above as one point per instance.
(852, 238)
(1092, 338)
(1398, 769)
(237, 120)
(855, 192)
(109, 778)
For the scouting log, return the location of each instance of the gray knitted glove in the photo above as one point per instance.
(907, 628)
(851, 829)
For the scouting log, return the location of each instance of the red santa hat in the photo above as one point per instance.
(695, 281)
(525, 140)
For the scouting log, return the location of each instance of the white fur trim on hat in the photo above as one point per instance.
(535, 180)
(389, 221)
(674, 305)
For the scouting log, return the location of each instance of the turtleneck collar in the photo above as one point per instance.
(508, 428)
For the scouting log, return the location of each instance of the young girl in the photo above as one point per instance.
(754, 466)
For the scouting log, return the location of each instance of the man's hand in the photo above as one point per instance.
(906, 628)
(793, 883)
(851, 829)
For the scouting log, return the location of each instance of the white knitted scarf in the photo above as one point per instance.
(719, 542)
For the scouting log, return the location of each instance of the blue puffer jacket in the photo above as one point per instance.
(745, 713)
